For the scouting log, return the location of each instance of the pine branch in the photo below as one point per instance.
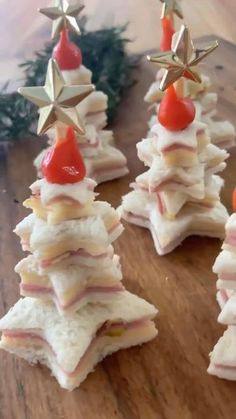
(104, 53)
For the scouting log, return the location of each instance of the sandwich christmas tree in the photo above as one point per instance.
(179, 194)
(223, 356)
(222, 133)
(75, 310)
(102, 160)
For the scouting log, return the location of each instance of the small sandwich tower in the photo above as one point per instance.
(223, 356)
(222, 133)
(178, 195)
(74, 309)
(102, 159)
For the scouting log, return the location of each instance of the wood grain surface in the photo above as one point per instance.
(166, 378)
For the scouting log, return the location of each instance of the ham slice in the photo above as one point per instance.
(88, 294)
(110, 337)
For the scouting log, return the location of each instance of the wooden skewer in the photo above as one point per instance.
(180, 87)
(60, 131)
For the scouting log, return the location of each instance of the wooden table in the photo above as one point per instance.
(166, 378)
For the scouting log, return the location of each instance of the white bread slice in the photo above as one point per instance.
(187, 137)
(176, 148)
(70, 287)
(51, 241)
(81, 258)
(109, 163)
(230, 234)
(57, 212)
(81, 192)
(140, 208)
(93, 103)
(24, 228)
(171, 202)
(81, 75)
(212, 157)
(159, 176)
(228, 312)
(69, 337)
(225, 263)
(223, 356)
(221, 132)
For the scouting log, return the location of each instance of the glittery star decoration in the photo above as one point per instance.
(182, 60)
(64, 16)
(57, 101)
(171, 7)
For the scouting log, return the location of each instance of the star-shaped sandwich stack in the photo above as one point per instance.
(75, 309)
(179, 194)
(103, 160)
(223, 355)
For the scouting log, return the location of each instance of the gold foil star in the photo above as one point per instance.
(171, 7)
(182, 60)
(57, 101)
(63, 15)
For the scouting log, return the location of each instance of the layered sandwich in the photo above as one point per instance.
(169, 232)
(223, 355)
(75, 310)
(72, 345)
(222, 133)
(51, 243)
(176, 148)
(190, 180)
(71, 284)
(179, 194)
(222, 358)
(225, 268)
(56, 203)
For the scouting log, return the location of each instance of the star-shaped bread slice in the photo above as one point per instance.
(89, 235)
(63, 16)
(72, 345)
(168, 233)
(223, 356)
(182, 60)
(56, 100)
(171, 7)
(71, 286)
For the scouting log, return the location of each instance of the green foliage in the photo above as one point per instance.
(104, 53)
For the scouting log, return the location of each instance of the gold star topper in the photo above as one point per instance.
(63, 15)
(171, 7)
(57, 101)
(182, 60)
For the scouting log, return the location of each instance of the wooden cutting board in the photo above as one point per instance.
(166, 378)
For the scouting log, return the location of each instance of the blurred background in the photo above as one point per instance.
(23, 30)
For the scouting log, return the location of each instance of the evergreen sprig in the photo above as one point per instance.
(104, 53)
